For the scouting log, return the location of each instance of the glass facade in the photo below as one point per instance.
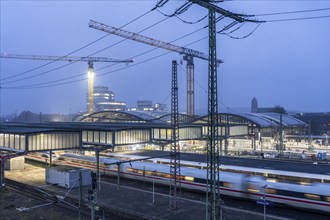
(14, 141)
(53, 141)
(132, 137)
(102, 137)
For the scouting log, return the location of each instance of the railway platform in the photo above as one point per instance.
(127, 199)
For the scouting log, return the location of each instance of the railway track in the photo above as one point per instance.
(71, 204)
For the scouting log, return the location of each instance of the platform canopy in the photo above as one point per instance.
(24, 137)
(159, 117)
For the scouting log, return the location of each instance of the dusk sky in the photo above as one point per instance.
(282, 63)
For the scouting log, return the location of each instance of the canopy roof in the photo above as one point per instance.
(158, 117)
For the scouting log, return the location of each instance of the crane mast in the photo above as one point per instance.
(90, 73)
(189, 54)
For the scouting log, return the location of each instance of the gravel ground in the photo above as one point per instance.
(10, 200)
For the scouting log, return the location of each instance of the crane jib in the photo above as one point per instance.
(147, 40)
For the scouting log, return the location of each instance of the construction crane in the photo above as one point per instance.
(89, 60)
(189, 54)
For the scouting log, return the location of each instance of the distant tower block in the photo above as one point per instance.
(254, 105)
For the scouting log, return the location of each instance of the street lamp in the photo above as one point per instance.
(153, 187)
(264, 198)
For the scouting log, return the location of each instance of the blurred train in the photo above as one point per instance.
(42, 156)
(314, 197)
(269, 174)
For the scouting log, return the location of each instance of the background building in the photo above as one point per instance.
(104, 100)
(160, 107)
(256, 109)
(144, 105)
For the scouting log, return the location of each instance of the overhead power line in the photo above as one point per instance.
(297, 19)
(42, 85)
(293, 12)
(228, 34)
(239, 38)
(51, 70)
(87, 45)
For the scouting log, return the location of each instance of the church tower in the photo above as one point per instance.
(254, 105)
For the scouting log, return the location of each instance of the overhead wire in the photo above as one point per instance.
(228, 34)
(138, 55)
(35, 86)
(297, 19)
(184, 21)
(183, 8)
(228, 108)
(239, 38)
(195, 41)
(293, 12)
(118, 42)
(143, 53)
(83, 47)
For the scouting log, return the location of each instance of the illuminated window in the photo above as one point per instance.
(271, 180)
(312, 196)
(252, 188)
(189, 178)
(270, 191)
(226, 184)
(304, 183)
(327, 199)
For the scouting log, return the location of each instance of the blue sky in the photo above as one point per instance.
(282, 63)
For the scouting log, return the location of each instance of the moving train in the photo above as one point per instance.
(271, 175)
(314, 197)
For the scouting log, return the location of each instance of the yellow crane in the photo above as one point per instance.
(90, 73)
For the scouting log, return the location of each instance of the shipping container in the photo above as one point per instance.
(67, 177)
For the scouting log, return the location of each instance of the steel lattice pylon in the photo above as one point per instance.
(213, 195)
(213, 201)
(175, 185)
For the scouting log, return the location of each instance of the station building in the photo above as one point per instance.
(237, 131)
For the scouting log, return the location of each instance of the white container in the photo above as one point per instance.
(67, 177)
(16, 163)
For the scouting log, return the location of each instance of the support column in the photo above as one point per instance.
(80, 195)
(97, 153)
(2, 172)
(253, 143)
(50, 158)
(281, 148)
(226, 138)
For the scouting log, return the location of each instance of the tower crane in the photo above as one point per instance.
(189, 54)
(89, 60)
